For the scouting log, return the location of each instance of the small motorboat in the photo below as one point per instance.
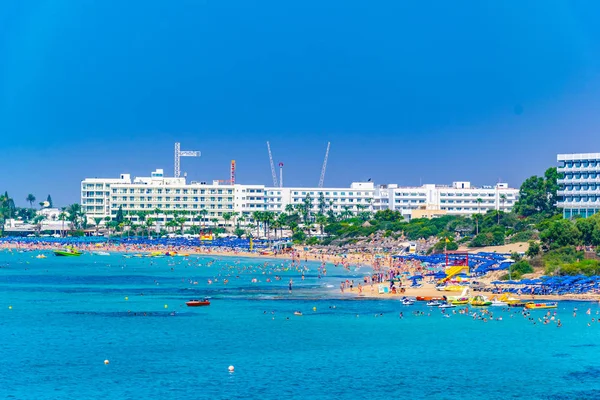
(498, 303)
(446, 305)
(68, 252)
(407, 302)
(434, 303)
(102, 253)
(40, 256)
(298, 313)
(536, 306)
(198, 303)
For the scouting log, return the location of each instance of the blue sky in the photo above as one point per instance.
(407, 92)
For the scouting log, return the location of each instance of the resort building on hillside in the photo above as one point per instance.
(101, 198)
(579, 184)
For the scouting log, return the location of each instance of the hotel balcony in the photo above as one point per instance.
(578, 169)
(588, 192)
(578, 204)
(577, 180)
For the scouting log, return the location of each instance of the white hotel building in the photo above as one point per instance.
(579, 186)
(102, 198)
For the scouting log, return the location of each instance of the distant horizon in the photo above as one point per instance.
(407, 93)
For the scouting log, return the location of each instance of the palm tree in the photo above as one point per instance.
(38, 223)
(97, 222)
(479, 200)
(502, 201)
(171, 224)
(30, 198)
(257, 216)
(62, 216)
(235, 215)
(226, 217)
(268, 218)
(203, 213)
(282, 220)
(215, 222)
(275, 225)
(149, 223)
(289, 209)
(321, 220)
(74, 215)
(181, 222)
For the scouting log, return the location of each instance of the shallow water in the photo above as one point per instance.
(70, 314)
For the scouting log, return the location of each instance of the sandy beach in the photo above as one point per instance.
(348, 261)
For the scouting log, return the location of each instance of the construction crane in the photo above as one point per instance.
(179, 154)
(272, 166)
(322, 179)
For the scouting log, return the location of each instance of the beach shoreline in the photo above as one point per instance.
(369, 291)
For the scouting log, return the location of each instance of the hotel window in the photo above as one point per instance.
(177, 191)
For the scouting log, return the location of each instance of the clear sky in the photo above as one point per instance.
(407, 92)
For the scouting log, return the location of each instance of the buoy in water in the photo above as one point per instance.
(106, 362)
(314, 308)
(231, 369)
(10, 307)
(126, 298)
(166, 306)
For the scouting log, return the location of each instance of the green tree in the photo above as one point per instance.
(30, 199)
(388, 215)
(227, 217)
(560, 233)
(321, 221)
(119, 218)
(533, 250)
(74, 215)
(97, 222)
(37, 221)
(537, 195)
(203, 213)
(322, 203)
(239, 232)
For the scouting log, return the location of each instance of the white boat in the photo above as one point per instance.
(434, 304)
(102, 253)
(407, 302)
(498, 303)
(447, 305)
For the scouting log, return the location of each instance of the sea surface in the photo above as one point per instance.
(60, 318)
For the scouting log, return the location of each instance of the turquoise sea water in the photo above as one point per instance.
(70, 314)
